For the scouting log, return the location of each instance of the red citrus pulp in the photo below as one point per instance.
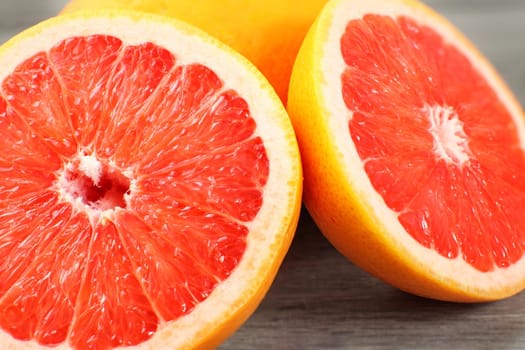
(136, 174)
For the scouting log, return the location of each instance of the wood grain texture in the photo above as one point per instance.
(320, 300)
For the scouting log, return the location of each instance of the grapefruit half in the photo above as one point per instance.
(413, 150)
(150, 185)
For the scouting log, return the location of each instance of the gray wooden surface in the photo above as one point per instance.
(321, 301)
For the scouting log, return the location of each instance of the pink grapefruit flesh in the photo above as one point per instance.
(437, 143)
(119, 164)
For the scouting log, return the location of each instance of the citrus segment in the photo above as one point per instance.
(83, 87)
(109, 314)
(137, 74)
(215, 194)
(33, 91)
(46, 314)
(20, 245)
(144, 203)
(186, 270)
(415, 168)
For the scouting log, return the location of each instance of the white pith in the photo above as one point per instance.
(267, 231)
(447, 131)
(450, 140)
(90, 166)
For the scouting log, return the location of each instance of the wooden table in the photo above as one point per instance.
(320, 300)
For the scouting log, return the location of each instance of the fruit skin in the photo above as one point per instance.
(336, 203)
(268, 33)
(262, 275)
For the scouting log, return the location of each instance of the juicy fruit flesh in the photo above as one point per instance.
(127, 183)
(436, 142)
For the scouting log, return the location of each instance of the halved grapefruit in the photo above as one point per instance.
(150, 185)
(413, 150)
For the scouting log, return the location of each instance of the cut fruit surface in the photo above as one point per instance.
(268, 33)
(413, 150)
(151, 185)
